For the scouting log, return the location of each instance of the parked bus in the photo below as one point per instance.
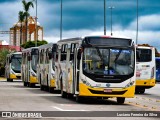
(46, 67)
(145, 74)
(29, 66)
(13, 66)
(97, 66)
(158, 69)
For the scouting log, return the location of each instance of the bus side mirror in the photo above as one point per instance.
(79, 54)
(10, 60)
(29, 58)
(50, 55)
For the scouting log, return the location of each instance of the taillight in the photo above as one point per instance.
(152, 73)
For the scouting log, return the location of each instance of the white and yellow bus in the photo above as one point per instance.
(146, 68)
(46, 67)
(13, 66)
(29, 66)
(97, 66)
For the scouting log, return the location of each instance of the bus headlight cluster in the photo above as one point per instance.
(33, 74)
(53, 76)
(86, 82)
(129, 84)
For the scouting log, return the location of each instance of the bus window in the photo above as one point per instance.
(144, 55)
(64, 52)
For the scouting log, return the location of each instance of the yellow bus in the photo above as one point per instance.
(29, 66)
(97, 66)
(146, 68)
(13, 66)
(46, 67)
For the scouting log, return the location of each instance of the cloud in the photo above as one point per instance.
(147, 22)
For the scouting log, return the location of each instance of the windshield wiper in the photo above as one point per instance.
(117, 56)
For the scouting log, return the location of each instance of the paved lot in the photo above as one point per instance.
(15, 97)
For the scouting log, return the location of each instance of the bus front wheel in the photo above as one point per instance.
(25, 84)
(120, 100)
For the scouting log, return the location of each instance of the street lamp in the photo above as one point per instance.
(111, 8)
(104, 17)
(61, 22)
(36, 26)
(137, 24)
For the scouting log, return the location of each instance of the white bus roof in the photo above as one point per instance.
(144, 47)
(46, 46)
(29, 49)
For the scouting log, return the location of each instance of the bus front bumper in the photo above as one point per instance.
(33, 80)
(145, 83)
(52, 83)
(85, 90)
(15, 76)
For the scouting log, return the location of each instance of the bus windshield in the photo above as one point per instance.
(144, 55)
(108, 61)
(34, 62)
(16, 64)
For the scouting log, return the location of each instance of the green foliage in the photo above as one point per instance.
(3, 54)
(32, 44)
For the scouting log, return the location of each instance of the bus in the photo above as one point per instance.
(29, 66)
(157, 69)
(97, 66)
(145, 72)
(46, 67)
(13, 66)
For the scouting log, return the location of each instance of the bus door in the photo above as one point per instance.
(76, 71)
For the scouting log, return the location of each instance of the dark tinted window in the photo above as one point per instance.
(107, 41)
(157, 63)
(144, 55)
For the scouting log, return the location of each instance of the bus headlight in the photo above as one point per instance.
(86, 82)
(129, 84)
(33, 74)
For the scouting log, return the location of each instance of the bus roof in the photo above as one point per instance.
(81, 38)
(46, 46)
(144, 47)
(29, 49)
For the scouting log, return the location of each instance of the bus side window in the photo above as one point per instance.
(63, 52)
(47, 56)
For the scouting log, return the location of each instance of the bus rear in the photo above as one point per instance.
(13, 66)
(157, 69)
(145, 74)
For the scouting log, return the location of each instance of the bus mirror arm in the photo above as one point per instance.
(79, 54)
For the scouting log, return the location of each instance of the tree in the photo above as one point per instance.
(21, 19)
(3, 55)
(26, 6)
(32, 43)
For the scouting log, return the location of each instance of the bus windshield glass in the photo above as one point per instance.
(16, 63)
(108, 61)
(34, 62)
(144, 55)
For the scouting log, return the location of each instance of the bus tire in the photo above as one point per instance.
(79, 99)
(120, 100)
(51, 89)
(63, 94)
(41, 87)
(25, 84)
(11, 80)
(142, 91)
(32, 85)
(8, 80)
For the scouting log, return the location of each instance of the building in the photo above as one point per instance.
(15, 32)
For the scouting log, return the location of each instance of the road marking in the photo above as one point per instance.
(60, 109)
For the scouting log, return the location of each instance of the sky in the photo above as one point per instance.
(86, 17)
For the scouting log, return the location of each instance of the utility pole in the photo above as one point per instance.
(137, 24)
(111, 8)
(104, 17)
(61, 22)
(36, 27)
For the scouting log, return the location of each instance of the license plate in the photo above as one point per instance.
(108, 90)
